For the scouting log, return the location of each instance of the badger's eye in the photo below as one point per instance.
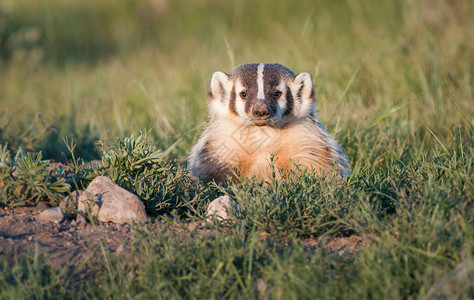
(276, 94)
(243, 95)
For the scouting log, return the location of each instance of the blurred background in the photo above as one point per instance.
(103, 69)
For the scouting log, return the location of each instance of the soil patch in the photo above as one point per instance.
(74, 242)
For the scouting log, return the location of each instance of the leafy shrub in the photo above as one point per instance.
(164, 186)
(26, 180)
(133, 163)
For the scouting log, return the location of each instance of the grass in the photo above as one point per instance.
(394, 84)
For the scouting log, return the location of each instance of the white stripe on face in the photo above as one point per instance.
(260, 93)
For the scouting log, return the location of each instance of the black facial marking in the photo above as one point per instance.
(289, 102)
(232, 102)
(247, 74)
(273, 74)
(270, 82)
(272, 108)
(249, 104)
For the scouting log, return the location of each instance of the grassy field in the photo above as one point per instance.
(394, 85)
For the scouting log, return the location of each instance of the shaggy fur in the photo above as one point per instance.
(260, 111)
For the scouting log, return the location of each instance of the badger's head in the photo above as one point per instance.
(261, 95)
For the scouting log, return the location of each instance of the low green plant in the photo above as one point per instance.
(80, 173)
(137, 166)
(25, 179)
(133, 163)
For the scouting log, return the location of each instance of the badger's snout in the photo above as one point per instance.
(260, 111)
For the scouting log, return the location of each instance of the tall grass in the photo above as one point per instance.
(100, 68)
(394, 84)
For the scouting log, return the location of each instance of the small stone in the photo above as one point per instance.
(222, 208)
(119, 249)
(42, 235)
(111, 203)
(54, 214)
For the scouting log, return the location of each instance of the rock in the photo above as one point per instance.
(120, 249)
(111, 203)
(69, 203)
(222, 208)
(54, 214)
(42, 236)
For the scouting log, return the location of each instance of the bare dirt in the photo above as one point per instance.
(69, 241)
(73, 242)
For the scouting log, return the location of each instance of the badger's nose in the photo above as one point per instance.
(260, 111)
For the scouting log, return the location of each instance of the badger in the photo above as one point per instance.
(262, 118)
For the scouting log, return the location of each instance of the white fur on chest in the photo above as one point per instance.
(251, 147)
(236, 142)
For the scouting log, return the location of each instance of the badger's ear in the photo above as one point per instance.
(220, 87)
(302, 90)
(219, 93)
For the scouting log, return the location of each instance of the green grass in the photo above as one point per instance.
(394, 85)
